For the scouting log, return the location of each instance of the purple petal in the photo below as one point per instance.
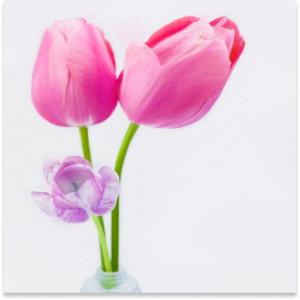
(71, 200)
(77, 160)
(74, 215)
(90, 194)
(42, 200)
(108, 175)
(107, 202)
(72, 176)
(49, 164)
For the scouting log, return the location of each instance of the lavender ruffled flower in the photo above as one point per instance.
(76, 190)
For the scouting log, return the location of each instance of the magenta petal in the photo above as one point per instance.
(93, 79)
(169, 95)
(50, 78)
(49, 164)
(42, 200)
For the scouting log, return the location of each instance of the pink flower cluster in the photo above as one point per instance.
(170, 81)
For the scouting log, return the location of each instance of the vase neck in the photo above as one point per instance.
(115, 277)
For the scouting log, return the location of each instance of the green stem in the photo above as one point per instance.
(103, 244)
(115, 213)
(99, 224)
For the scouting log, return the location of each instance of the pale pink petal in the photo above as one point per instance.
(183, 42)
(50, 78)
(49, 164)
(238, 43)
(226, 35)
(77, 110)
(141, 69)
(42, 200)
(65, 27)
(170, 29)
(92, 92)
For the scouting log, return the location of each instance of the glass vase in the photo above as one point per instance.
(117, 282)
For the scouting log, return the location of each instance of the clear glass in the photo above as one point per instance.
(117, 282)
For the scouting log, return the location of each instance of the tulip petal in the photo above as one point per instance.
(67, 201)
(111, 192)
(141, 69)
(75, 215)
(238, 43)
(49, 165)
(71, 178)
(208, 70)
(169, 30)
(108, 201)
(50, 78)
(202, 111)
(182, 42)
(110, 51)
(108, 175)
(90, 194)
(225, 35)
(65, 27)
(68, 211)
(196, 77)
(77, 160)
(92, 94)
(42, 200)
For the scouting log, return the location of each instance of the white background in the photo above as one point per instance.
(206, 208)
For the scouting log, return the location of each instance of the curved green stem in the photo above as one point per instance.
(103, 244)
(115, 213)
(99, 223)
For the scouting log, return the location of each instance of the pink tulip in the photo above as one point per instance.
(175, 77)
(74, 81)
(76, 190)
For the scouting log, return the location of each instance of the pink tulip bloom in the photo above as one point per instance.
(76, 190)
(74, 81)
(175, 77)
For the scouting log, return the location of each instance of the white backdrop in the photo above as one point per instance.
(206, 208)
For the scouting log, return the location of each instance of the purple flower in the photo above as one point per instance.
(76, 190)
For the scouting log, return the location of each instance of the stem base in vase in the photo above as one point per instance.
(104, 282)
